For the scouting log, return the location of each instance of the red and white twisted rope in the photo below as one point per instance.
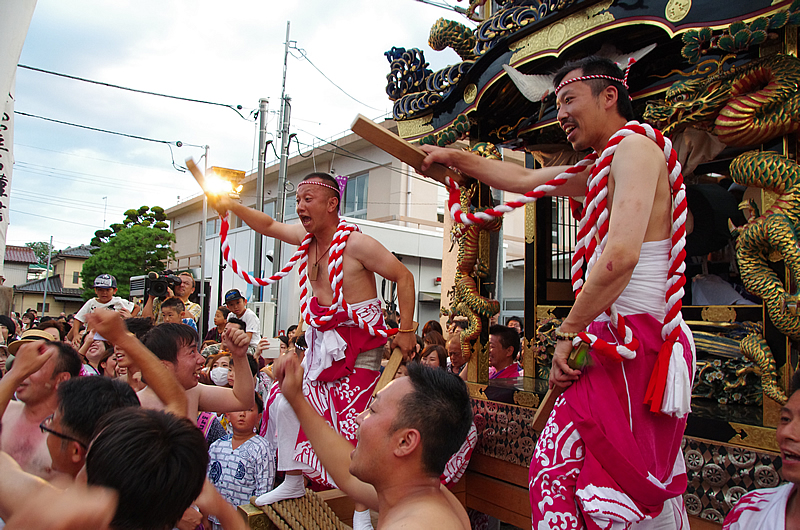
(335, 276)
(592, 238)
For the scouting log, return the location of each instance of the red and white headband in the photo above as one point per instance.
(624, 80)
(317, 183)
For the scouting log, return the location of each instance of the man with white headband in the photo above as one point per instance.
(610, 455)
(346, 332)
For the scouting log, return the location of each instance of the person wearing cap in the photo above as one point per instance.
(237, 304)
(105, 287)
(36, 386)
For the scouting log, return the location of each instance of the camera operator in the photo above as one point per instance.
(161, 287)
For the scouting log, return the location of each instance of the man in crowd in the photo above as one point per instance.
(341, 355)
(503, 349)
(405, 438)
(776, 508)
(237, 304)
(233, 323)
(176, 346)
(184, 291)
(21, 436)
(457, 361)
(643, 476)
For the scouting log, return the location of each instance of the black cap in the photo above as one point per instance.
(233, 295)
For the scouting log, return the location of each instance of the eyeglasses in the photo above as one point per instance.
(45, 427)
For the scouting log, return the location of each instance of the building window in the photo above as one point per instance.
(76, 277)
(212, 227)
(40, 310)
(355, 196)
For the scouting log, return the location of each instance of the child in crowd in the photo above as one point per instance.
(173, 311)
(105, 289)
(242, 464)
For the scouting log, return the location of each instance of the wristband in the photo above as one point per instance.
(413, 329)
(564, 335)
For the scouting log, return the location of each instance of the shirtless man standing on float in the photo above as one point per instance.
(326, 368)
(605, 457)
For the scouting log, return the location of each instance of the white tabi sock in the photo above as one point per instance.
(293, 487)
(362, 520)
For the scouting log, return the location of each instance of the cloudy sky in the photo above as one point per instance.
(68, 180)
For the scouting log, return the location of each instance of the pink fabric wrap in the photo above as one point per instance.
(611, 465)
(356, 338)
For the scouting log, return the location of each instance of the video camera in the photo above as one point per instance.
(154, 283)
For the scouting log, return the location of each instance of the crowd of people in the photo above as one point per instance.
(143, 425)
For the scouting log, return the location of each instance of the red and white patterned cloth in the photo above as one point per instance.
(604, 460)
(763, 509)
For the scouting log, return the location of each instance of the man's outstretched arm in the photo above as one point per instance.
(259, 221)
(502, 175)
(110, 325)
(332, 449)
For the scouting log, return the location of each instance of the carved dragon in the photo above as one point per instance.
(465, 297)
(746, 105)
(757, 243)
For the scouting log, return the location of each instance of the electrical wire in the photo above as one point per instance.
(70, 221)
(165, 142)
(303, 55)
(235, 108)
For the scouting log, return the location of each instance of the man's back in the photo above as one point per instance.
(425, 510)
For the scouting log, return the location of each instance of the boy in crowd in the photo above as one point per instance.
(173, 311)
(238, 307)
(242, 465)
(105, 289)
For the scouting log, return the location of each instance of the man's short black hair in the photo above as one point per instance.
(68, 360)
(327, 179)
(594, 65)
(440, 410)
(519, 321)
(139, 326)
(156, 462)
(175, 303)
(241, 323)
(166, 339)
(508, 337)
(82, 401)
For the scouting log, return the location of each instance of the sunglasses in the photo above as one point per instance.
(45, 427)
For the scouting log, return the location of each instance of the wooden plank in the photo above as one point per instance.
(513, 498)
(390, 370)
(499, 469)
(400, 149)
(342, 505)
(195, 171)
(499, 512)
(459, 490)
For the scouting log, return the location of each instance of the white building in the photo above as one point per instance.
(390, 202)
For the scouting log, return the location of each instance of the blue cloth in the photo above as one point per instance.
(241, 473)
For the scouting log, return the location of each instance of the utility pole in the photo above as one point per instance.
(284, 135)
(263, 104)
(47, 275)
(105, 207)
(203, 234)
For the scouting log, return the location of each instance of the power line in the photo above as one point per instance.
(49, 171)
(235, 108)
(70, 221)
(91, 157)
(302, 52)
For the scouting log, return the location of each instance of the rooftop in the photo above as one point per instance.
(20, 254)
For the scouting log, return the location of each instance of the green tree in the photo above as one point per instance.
(144, 216)
(42, 249)
(138, 245)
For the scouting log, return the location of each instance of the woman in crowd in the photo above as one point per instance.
(434, 355)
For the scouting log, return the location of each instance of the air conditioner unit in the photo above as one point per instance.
(265, 311)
